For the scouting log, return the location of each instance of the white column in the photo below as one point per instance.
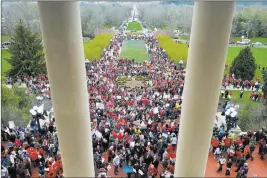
(211, 27)
(62, 36)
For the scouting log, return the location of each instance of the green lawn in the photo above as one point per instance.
(5, 65)
(245, 99)
(92, 50)
(175, 51)
(177, 54)
(183, 37)
(253, 40)
(4, 38)
(134, 26)
(260, 55)
(134, 49)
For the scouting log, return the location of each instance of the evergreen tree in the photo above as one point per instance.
(26, 49)
(244, 65)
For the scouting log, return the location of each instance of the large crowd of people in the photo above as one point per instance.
(229, 148)
(136, 126)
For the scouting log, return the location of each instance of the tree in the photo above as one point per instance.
(15, 106)
(244, 65)
(13, 11)
(170, 15)
(26, 49)
(264, 88)
(252, 117)
(252, 19)
(237, 27)
(98, 15)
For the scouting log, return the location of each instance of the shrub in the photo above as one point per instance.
(93, 49)
(175, 51)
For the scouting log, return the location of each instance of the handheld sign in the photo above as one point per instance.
(127, 169)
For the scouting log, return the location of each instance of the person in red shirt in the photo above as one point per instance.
(152, 171)
(170, 148)
(173, 155)
(238, 140)
(17, 143)
(215, 143)
(227, 142)
(171, 168)
(114, 134)
(120, 136)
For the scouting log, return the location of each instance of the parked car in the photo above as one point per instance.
(242, 43)
(257, 44)
(231, 42)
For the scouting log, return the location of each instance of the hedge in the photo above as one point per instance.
(175, 51)
(93, 49)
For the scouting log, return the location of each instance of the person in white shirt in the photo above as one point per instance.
(221, 163)
(174, 141)
(12, 157)
(4, 172)
(217, 153)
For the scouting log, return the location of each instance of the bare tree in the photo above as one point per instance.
(93, 15)
(170, 15)
(99, 15)
(12, 12)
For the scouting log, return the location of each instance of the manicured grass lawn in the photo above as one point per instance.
(4, 38)
(260, 55)
(134, 26)
(134, 49)
(253, 40)
(178, 52)
(175, 51)
(5, 65)
(245, 99)
(93, 49)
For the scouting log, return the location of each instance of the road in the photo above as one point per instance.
(230, 45)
